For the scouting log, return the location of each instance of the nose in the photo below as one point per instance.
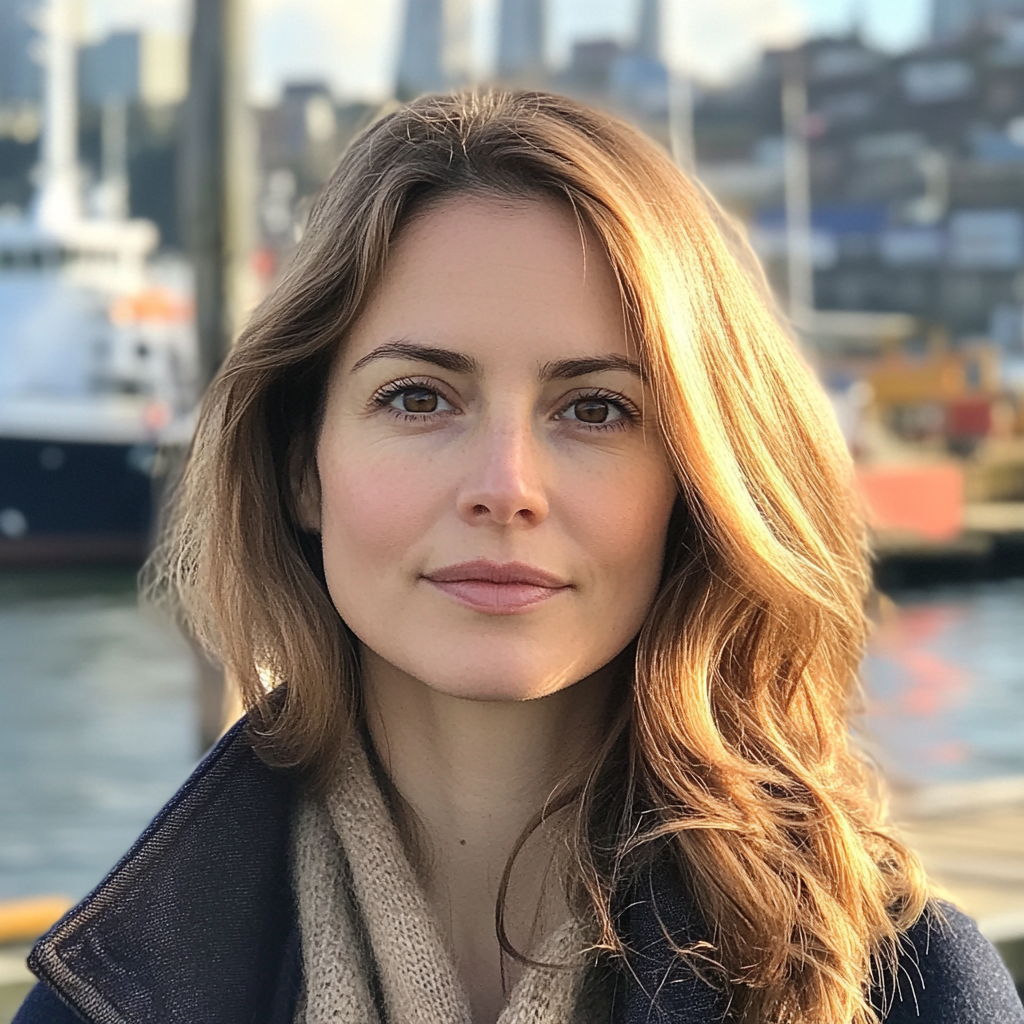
(504, 483)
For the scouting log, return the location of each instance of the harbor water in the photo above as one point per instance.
(98, 721)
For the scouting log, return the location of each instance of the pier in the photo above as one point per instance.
(971, 839)
(990, 546)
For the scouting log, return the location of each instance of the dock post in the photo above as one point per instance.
(217, 201)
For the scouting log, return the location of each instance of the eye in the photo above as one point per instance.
(593, 410)
(412, 400)
(601, 410)
(416, 400)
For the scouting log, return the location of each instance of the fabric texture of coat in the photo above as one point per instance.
(197, 923)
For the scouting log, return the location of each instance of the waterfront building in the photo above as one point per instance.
(20, 75)
(953, 18)
(134, 67)
(917, 177)
(649, 30)
(421, 55)
(639, 81)
(521, 40)
(436, 48)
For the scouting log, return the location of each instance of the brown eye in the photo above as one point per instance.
(591, 410)
(419, 400)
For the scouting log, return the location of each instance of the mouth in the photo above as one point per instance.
(497, 588)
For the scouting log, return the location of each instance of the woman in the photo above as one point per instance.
(534, 549)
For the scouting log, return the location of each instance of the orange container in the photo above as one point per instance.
(925, 499)
(25, 920)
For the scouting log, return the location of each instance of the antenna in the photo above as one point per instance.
(58, 202)
(798, 189)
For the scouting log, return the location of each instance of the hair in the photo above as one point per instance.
(733, 735)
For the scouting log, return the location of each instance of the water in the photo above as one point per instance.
(945, 684)
(97, 722)
(96, 726)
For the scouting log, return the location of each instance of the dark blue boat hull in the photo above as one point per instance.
(73, 501)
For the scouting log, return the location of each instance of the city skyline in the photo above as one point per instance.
(355, 47)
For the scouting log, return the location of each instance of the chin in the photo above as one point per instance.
(495, 678)
(495, 691)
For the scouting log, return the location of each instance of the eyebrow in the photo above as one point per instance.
(457, 362)
(566, 369)
(454, 362)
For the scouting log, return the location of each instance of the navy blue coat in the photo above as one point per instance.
(197, 925)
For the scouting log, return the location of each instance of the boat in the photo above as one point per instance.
(97, 354)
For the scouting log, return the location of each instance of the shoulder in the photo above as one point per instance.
(948, 971)
(199, 914)
(43, 1007)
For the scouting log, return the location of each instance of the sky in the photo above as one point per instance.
(352, 43)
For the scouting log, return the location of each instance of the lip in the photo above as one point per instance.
(497, 588)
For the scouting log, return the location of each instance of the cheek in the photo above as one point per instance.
(622, 522)
(375, 504)
(626, 514)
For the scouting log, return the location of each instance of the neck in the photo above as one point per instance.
(474, 774)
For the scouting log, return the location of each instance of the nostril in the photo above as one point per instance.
(481, 510)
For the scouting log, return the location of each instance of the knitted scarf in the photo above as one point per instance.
(371, 950)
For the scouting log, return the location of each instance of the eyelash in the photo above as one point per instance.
(383, 397)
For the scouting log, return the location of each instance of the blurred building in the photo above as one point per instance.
(589, 71)
(917, 176)
(131, 88)
(20, 93)
(421, 55)
(20, 75)
(142, 67)
(435, 52)
(639, 78)
(300, 140)
(521, 39)
(649, 30)
(629, 79)
(952, 18)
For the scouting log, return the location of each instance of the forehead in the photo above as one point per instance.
(497, 277)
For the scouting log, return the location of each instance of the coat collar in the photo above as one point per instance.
(198, 920)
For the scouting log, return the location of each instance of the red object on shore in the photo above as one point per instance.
(969, 417)
(925, 499)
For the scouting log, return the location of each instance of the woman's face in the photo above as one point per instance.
(492, 502)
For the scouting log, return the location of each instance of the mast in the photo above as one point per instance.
(218, 198)
(58, 202)
(114, 158)
(800, 264)
(654, 43)
(680, 119)
(218, 168)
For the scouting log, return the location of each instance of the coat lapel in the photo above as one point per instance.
(196, 922)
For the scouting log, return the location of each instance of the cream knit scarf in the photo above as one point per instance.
(363, 916)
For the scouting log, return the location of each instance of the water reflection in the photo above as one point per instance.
(97, 723)
(945, 682)
(96, 726)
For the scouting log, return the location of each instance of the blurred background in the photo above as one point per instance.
(157, 162)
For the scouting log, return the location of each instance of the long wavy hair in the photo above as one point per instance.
(732, 749)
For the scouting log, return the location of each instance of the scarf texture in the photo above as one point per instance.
(372, 952)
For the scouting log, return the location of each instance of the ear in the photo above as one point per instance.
(305, 492)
